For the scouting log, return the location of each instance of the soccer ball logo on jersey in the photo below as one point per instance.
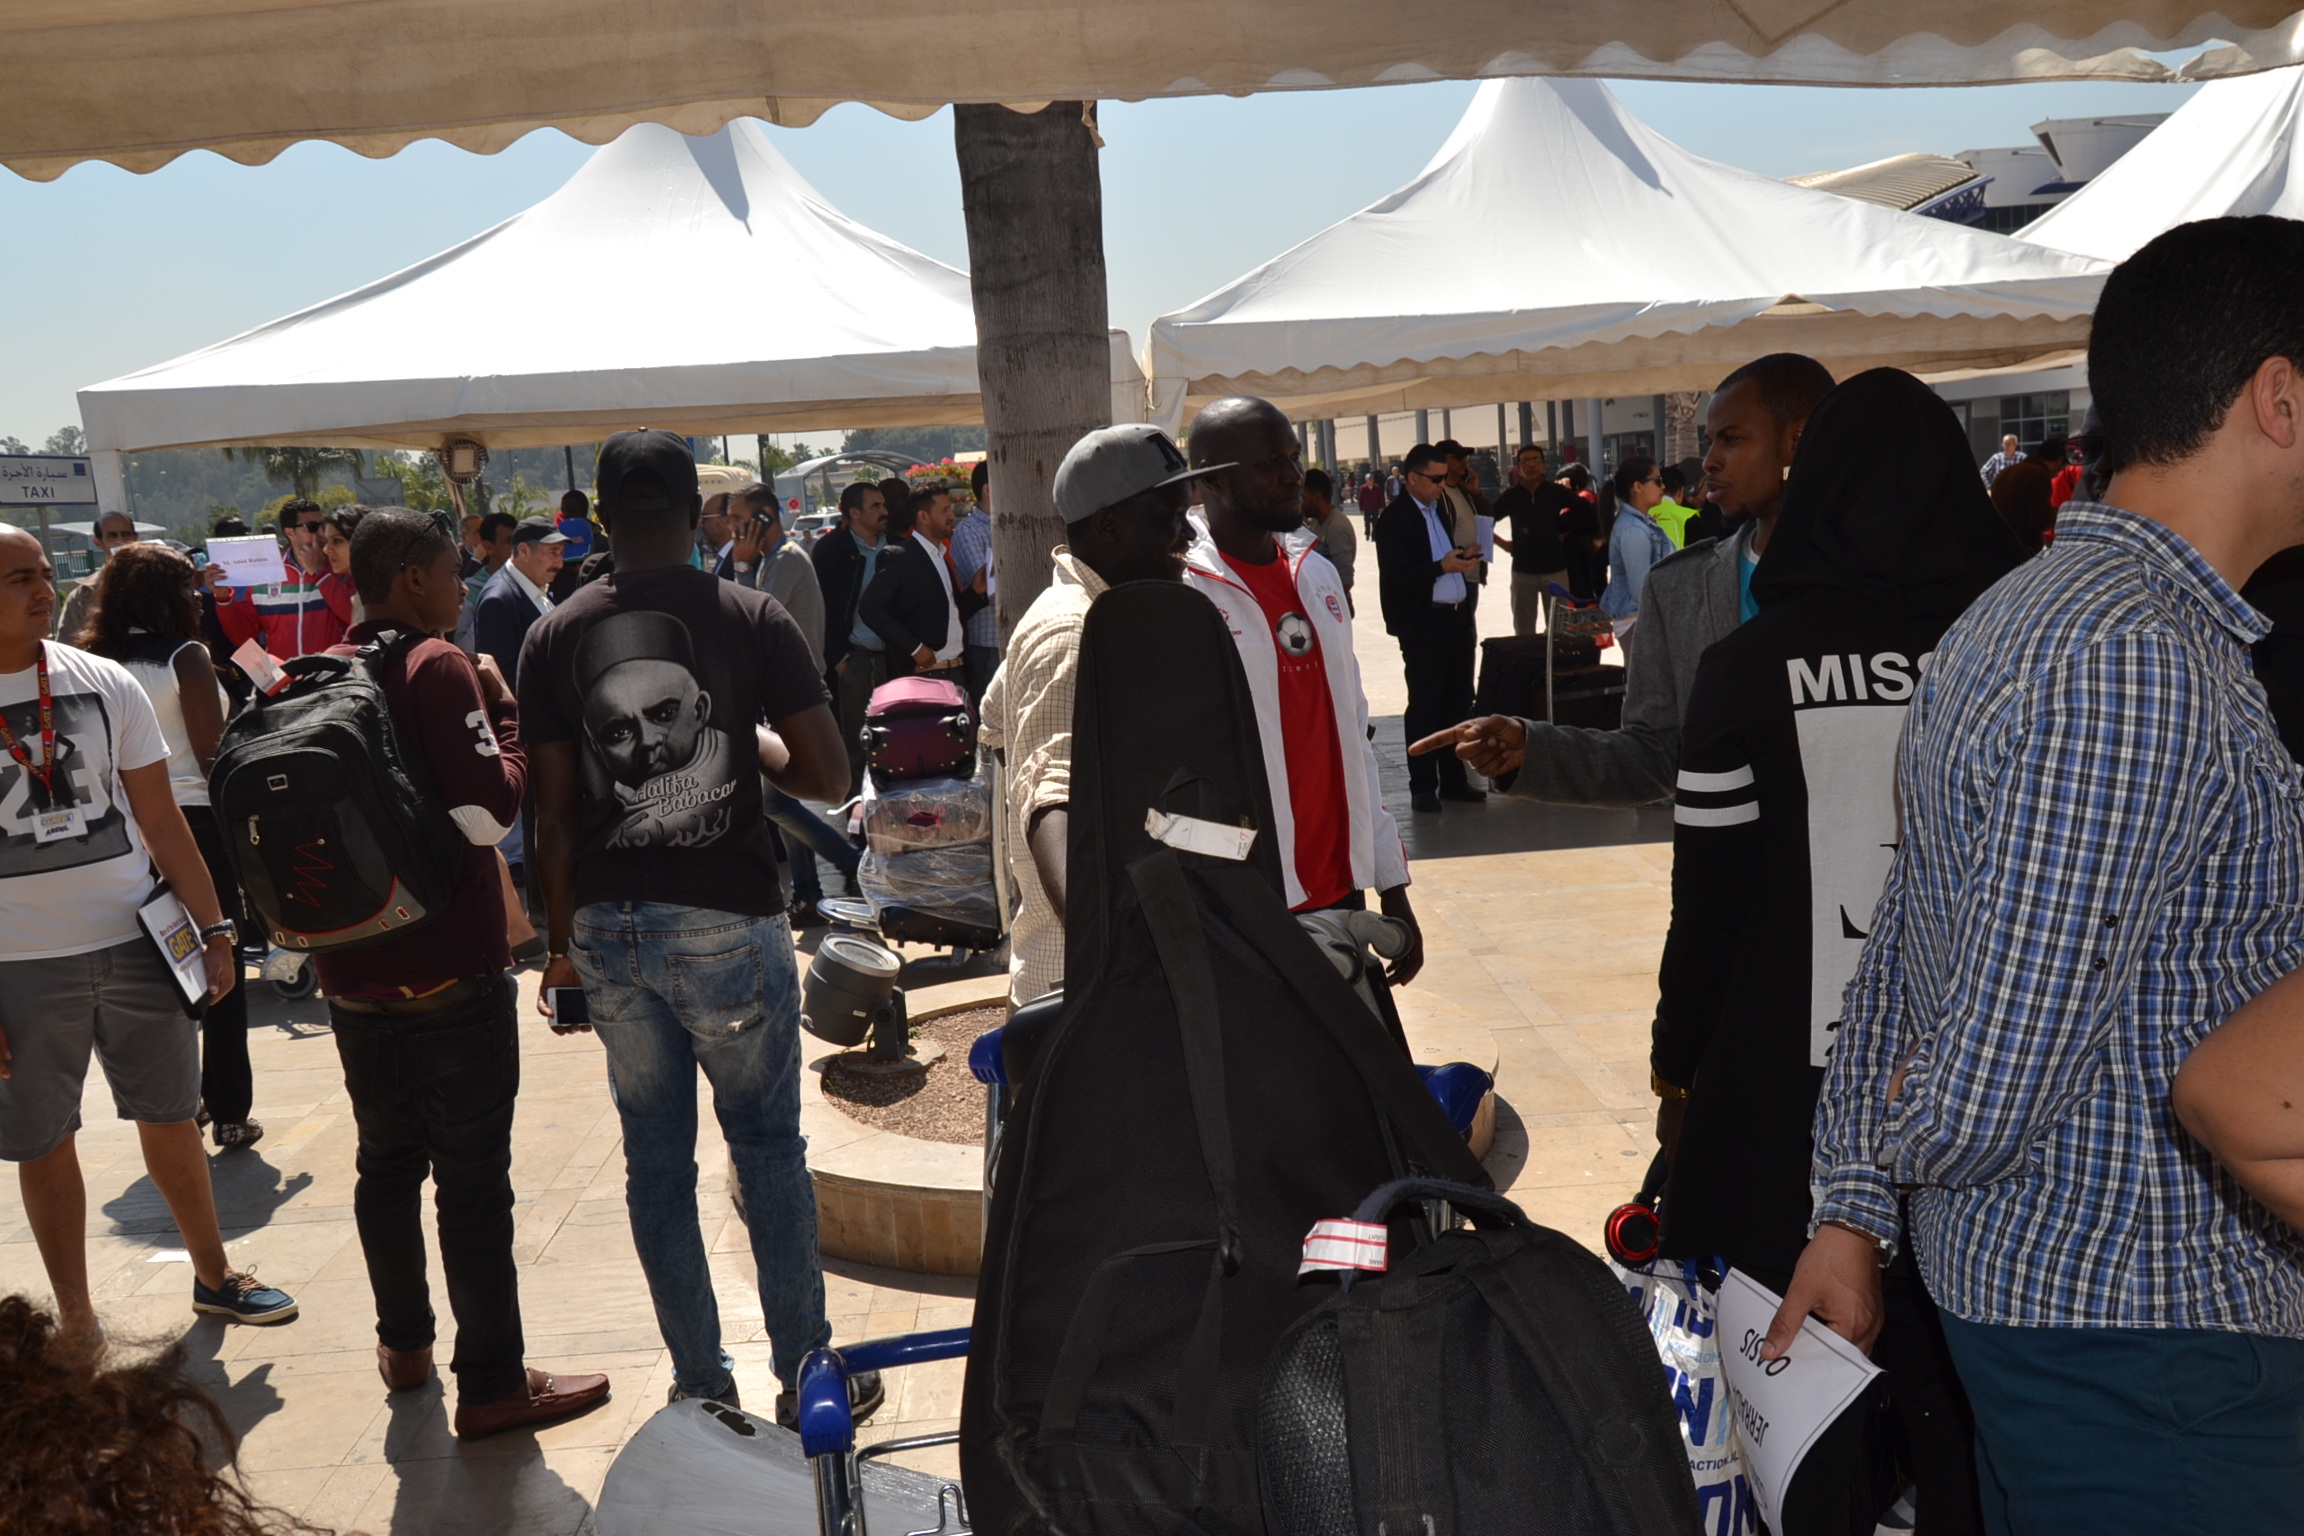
(1294, 633)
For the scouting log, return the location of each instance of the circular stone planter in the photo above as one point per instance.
(893, 1200)
(903, 1203)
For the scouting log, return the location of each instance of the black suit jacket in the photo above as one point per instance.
(1405, 569)
(839, 569)
(905, 603)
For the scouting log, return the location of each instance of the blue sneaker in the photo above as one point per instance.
(245, 1299)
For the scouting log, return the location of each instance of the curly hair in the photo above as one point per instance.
(101, 1450)
(142, 586)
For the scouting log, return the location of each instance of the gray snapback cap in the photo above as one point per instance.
(1111, 464)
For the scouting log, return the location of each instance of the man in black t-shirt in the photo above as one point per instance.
(1537, 511)
(643, 697)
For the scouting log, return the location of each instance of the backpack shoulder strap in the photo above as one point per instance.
(1391, 1079)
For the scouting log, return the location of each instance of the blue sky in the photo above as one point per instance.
(105, 271)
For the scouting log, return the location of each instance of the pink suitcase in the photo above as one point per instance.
(919, 728)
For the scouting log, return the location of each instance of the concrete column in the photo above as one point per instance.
(1423, 426)
(110, 467)
(1592, 458)
(1552, 429)
(1448, 423)
(1375, 445)
(1527, 423)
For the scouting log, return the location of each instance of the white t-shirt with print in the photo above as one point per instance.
(75, 894)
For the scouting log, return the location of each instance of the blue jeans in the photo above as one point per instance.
(2183, 1431)
(807, 833)
(673, 989)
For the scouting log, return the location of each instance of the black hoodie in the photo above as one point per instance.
(1785, 816)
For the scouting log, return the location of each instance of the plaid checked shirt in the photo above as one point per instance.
(1027, 713)
(2102, 855)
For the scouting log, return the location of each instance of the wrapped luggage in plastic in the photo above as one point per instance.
(954, 883)
(927, 813)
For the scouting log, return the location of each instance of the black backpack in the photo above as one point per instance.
(1209, 1089)
(331, 821)
(1495, 1380)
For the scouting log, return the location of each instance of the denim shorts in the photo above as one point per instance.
(119, 1002)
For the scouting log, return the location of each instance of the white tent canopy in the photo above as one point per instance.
(1557, 247)
(700, 285)
(2236, 147)
(139, 82)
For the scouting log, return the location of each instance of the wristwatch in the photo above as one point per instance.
(227, 930)
(1882, 1249)
(1663, 1089)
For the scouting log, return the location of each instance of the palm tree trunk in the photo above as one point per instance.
(1034, 201)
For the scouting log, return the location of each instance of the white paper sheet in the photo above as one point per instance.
(1487, 527)
(250, 562)
(1782, 1405)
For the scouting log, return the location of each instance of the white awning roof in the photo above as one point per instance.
(139, 82)
(2234, 148)
(1558, 247)
(585, 314)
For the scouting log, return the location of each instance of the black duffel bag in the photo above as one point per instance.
(1496, 1380)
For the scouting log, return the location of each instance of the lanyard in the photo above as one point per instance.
(46, 772)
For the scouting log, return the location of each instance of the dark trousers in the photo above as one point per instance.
(433, 1094)
(862, 672)
(983, 661)
(1437, 657)
(2186, 1431)
(227, 1084)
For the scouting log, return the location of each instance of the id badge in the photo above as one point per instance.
(55, 826)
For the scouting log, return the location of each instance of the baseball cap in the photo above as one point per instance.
(1111, 464)
(1452, 448)
(538, 530)
(662, 456)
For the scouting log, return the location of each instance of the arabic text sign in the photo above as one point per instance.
(43, 479)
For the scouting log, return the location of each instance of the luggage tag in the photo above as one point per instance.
(262, 667)
(1340, 1243)
(57, 825)
(1192, 835)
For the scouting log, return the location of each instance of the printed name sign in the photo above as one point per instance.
(1783, 1405)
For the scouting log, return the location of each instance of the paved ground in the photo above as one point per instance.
(1542, 925)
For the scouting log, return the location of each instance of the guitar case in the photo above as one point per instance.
(1210, 1088)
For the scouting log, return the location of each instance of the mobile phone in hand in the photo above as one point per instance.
(569, 1007)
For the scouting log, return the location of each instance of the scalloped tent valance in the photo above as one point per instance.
(1558, 247)
(139, 82)
(551, 327)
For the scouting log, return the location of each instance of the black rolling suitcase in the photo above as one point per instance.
(1210, 1089)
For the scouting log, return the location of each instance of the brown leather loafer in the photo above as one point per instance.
(548, 1397)
(404, 1368)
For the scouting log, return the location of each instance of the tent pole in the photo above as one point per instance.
(1375, 445)
(568, 456)
(1527, 421)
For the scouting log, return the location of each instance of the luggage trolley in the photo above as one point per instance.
(1571, 623)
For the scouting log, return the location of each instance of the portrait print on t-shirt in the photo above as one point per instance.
(82, 781)
(649, 741)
